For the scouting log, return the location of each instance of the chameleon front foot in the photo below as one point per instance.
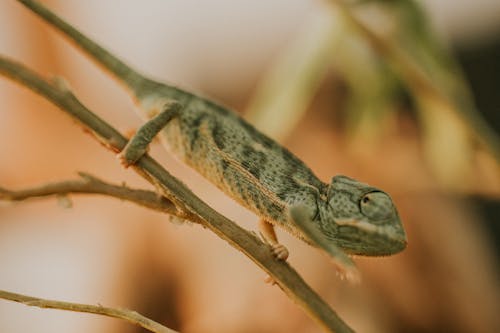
(130, 155)
(138, 145)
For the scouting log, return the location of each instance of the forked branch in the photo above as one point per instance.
(185, 201)
(88, 184)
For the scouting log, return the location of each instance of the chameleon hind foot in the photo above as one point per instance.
(138, 145)
(280, 252)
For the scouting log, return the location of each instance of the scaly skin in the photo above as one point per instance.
(269, 180)
(255, 170)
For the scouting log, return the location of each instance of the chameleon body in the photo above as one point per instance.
(249, 166)
(269, 180)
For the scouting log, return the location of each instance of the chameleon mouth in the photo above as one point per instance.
(394, 232)
(364, 238)
(399, 245)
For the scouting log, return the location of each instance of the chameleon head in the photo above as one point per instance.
(365, 220)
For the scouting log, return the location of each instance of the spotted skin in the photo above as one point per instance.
(344, 215)
(269, 180)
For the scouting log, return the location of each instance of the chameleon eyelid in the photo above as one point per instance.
(379, 208)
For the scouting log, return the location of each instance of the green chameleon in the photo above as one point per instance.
(344, 216)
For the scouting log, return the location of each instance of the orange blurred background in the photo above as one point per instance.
(103, 251)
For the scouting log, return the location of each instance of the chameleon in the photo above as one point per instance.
(342, 217)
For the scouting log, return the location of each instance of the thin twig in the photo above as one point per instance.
(145, 89)
(89, 184)
(284, 275)
(128, 315)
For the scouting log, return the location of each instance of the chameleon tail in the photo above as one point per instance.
(132, 79)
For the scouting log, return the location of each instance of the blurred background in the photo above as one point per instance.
(305, 74)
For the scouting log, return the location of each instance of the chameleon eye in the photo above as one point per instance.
(377, 206)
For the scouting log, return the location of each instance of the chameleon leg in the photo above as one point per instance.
(346, 267)
(138, 144)
(267, 230)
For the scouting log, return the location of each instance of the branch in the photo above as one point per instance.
(128, 315)
(195, 209)
(89, 184)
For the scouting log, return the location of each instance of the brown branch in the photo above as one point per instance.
(195, 209)
(128, 315)
(89, 184)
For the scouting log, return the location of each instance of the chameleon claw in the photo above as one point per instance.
(349, 274)
(127, 156)
(280, 252)
(123, 160)
(268, 235)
